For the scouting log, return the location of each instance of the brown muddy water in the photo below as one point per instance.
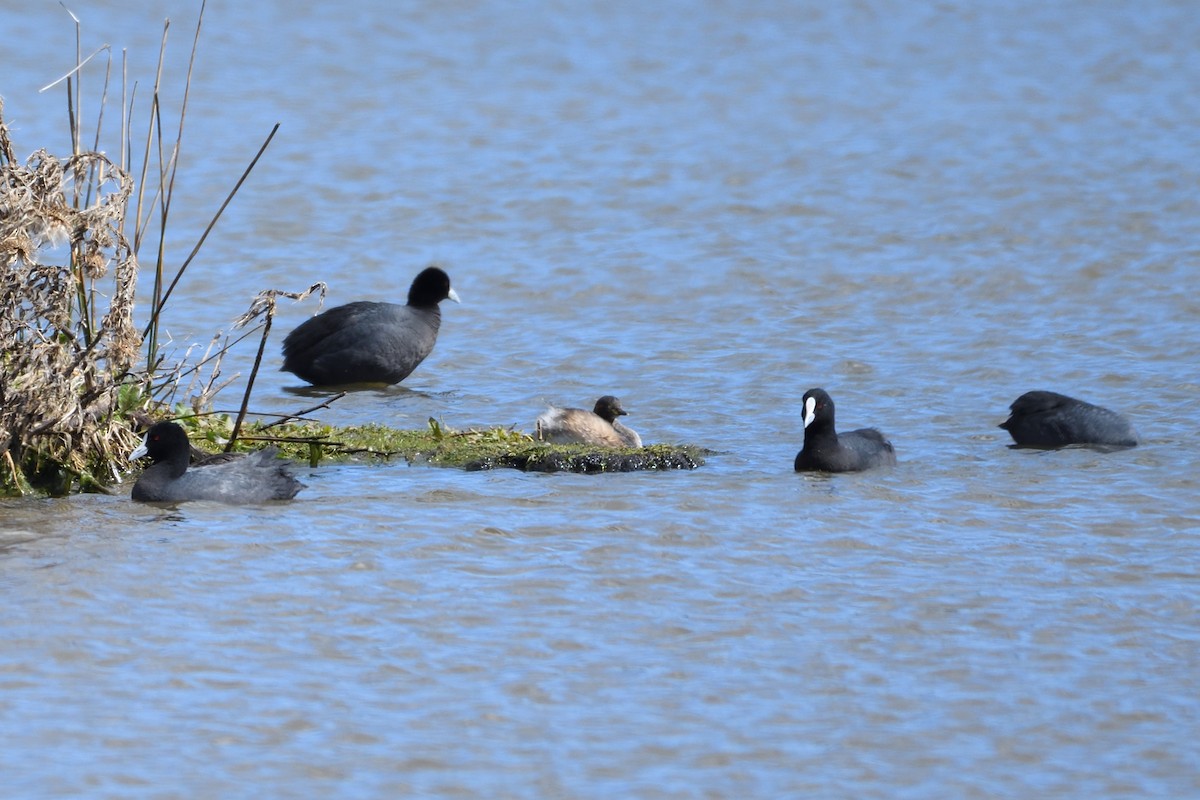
(705, 209)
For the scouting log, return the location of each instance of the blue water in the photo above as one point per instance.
(706, 209)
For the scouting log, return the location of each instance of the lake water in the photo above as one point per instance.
(706, 209)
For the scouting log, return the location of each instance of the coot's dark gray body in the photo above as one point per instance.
(825, 450)
(368, 342)
(1048, 420)
(596, 427)
(253, 478)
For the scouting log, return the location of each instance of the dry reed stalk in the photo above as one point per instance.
(263, 306)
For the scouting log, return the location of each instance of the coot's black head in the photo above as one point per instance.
(162, 442)
(609, 408)
(429, 288)
(818, 407)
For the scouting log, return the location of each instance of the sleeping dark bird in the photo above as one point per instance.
(368, 342)
(825, 450)
(225, 478)
(596, 427)
(1049, 420)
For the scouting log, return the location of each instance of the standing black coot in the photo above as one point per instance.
(826, 451)
(1048, 419)
(596, 427)
(252, 478)
(368, 342)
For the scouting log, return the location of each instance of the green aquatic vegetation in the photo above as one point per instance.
(438, 445)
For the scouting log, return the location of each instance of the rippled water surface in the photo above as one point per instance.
(706, 209)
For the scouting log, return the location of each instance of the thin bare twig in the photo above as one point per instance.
(77, 118)
(153, 132)
(262, 345)
(294, 440)
(212, 223)
(300, 414)
(139, 230)
(76, 68)
(167, 187)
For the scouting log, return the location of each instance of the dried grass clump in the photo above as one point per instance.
(69, 341)
(70, 395)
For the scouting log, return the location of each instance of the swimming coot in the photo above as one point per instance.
(252, 478)
(826, 451)
(1048, 420)
(368, 342)
(596, 427)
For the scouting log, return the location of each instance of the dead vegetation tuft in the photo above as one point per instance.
(67, 290)
(76, 373)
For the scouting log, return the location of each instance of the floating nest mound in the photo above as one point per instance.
(561, 458)
(474, 449)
